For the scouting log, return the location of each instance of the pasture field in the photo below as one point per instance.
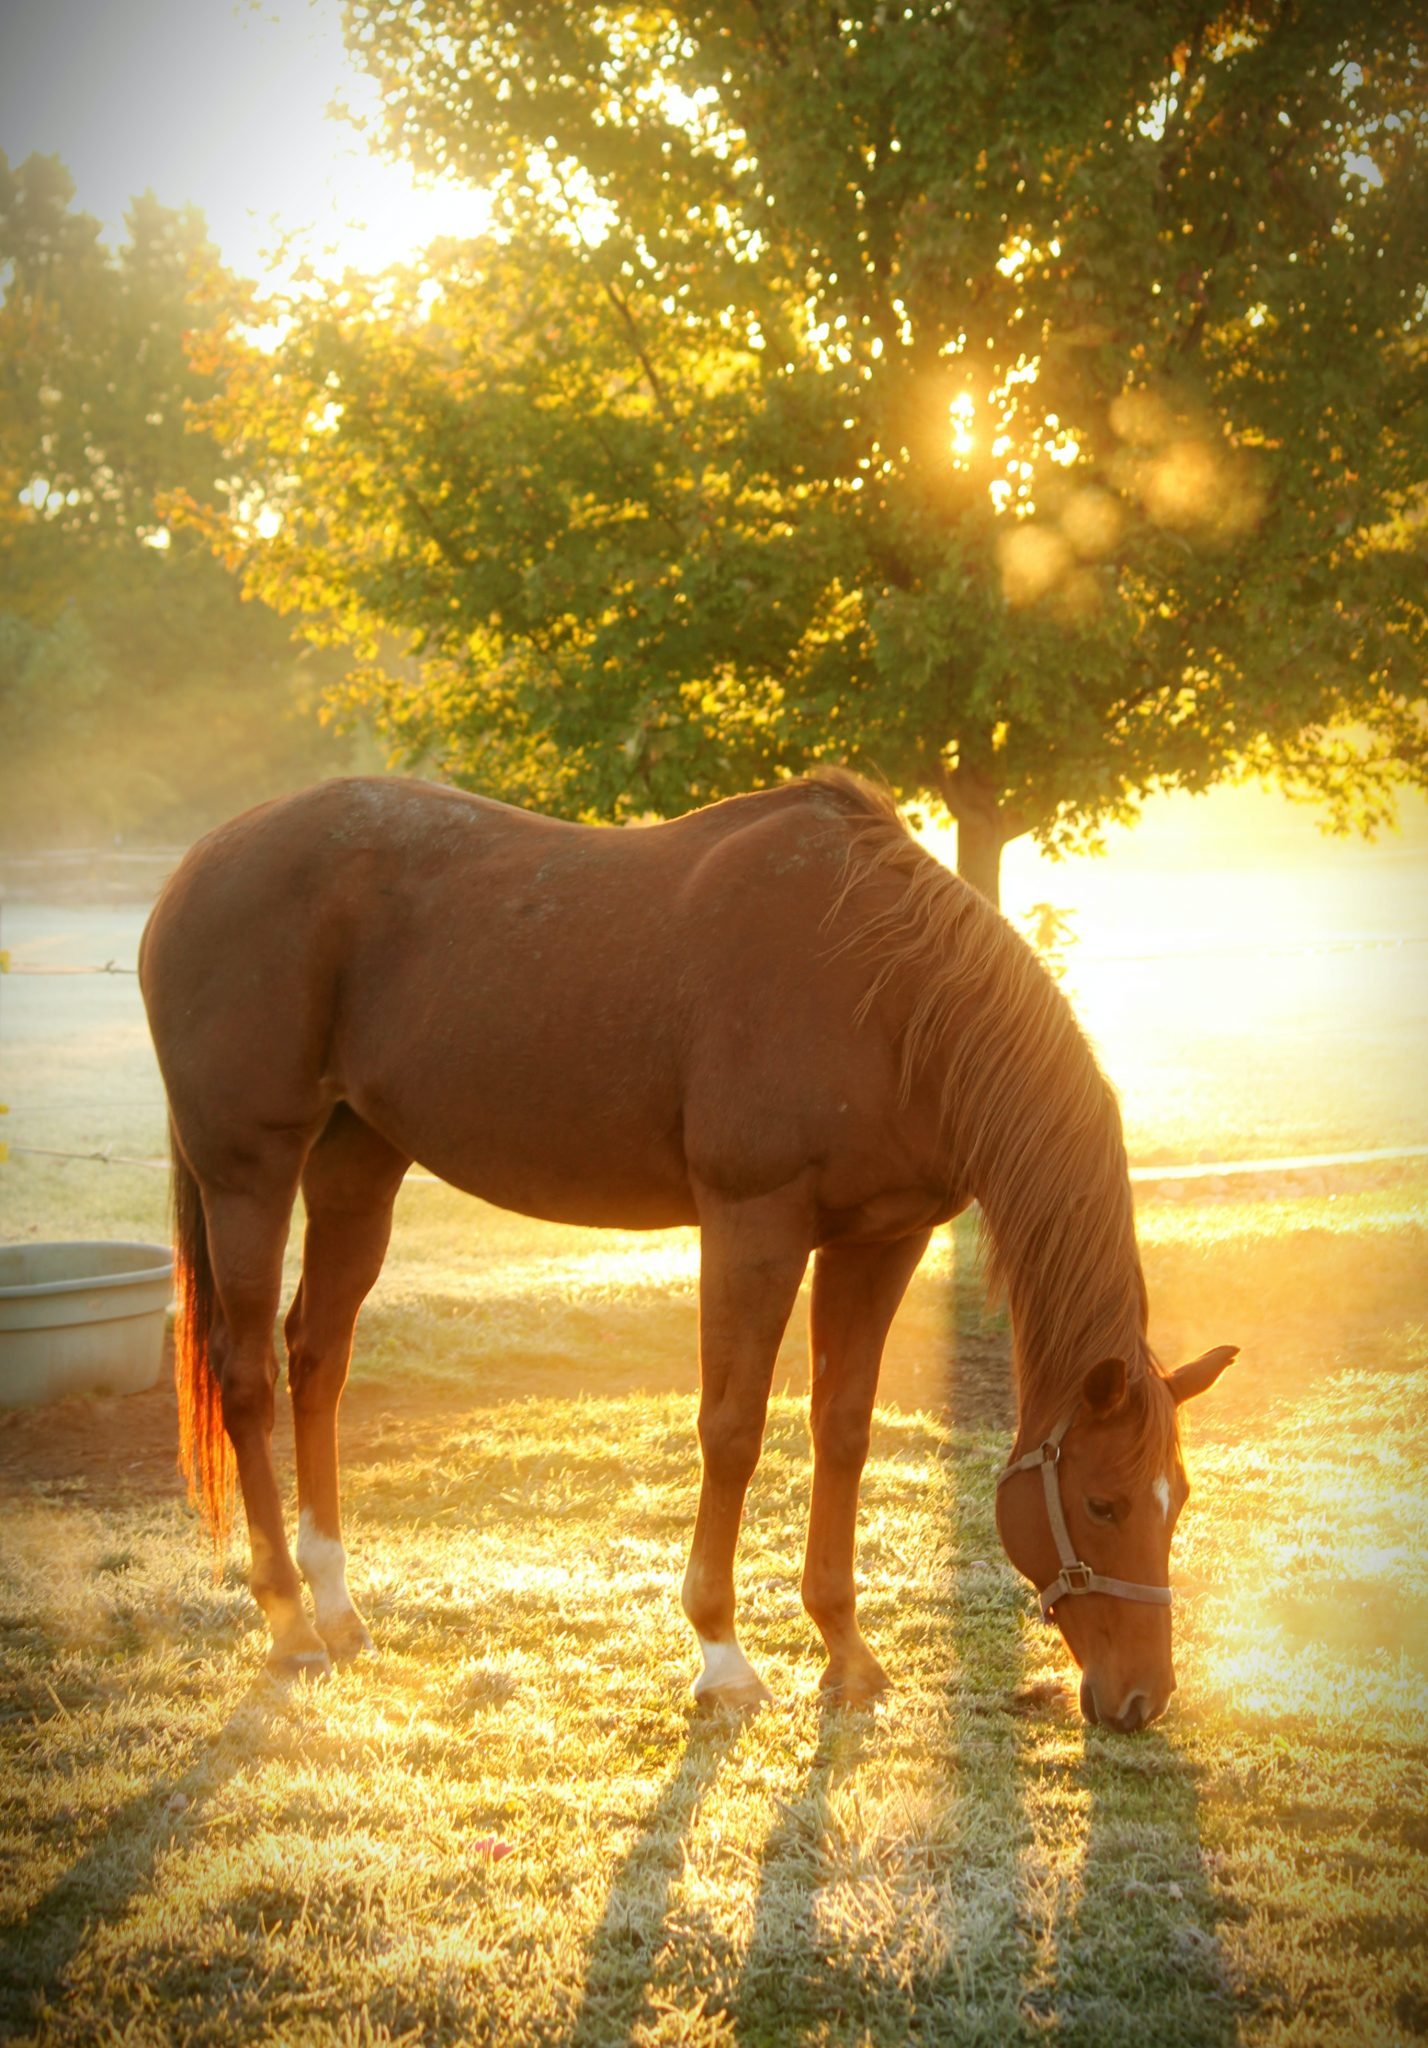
(192, 1853)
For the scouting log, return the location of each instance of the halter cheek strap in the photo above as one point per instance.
(1074, 1576)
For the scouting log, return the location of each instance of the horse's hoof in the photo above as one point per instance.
(348, 1641)
(741, 1696)
(291, 1664)
(854, 1688)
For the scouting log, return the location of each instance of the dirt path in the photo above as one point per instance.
(122, 1445)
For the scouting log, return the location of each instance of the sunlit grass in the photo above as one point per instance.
(1395, 1210)
(198, 1854)
(1323, 1614)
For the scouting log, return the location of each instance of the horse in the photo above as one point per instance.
(777, 1017)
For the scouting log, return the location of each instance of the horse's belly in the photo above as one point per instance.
(614, 1164)
(560, 1193)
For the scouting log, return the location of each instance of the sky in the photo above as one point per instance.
(222, 104)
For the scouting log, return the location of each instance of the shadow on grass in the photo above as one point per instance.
(1138, 1954)
(893, 1926)
(1118, 1944)
(38, 1946)
(1009, 1878)
(789, 1985)
(881, 1932)
(874, 1922)
(988, 1710)
(979, 1391)
(622, 1966)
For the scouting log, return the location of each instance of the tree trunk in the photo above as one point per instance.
(983, 826)
(979, 853)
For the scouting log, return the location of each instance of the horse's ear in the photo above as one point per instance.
(1200, 1372)
(1104, 1387)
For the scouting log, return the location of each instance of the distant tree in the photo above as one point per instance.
(138, 691)
(1025, 401)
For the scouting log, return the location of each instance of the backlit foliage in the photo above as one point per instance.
(139, 694)
(1020, 400)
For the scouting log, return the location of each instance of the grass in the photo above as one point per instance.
(192, 1853)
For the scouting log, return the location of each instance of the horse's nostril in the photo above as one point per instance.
(1134, 1713)
(1088, 1703)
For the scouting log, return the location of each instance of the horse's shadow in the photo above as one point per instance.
(623, 1952)
(786, 1975)
(1142, 1866)
(635, 1956)
(38, 1946)
(1143, 1884)
(988, 1887)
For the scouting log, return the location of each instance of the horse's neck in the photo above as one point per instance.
(1064, 1252)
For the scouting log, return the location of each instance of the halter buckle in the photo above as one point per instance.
(1078, 1576)
(1051, 1452)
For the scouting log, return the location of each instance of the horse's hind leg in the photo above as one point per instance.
(856, 1290)
(247, 1227)
(349, 1184)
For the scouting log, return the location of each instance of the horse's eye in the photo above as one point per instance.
(1101, 1510)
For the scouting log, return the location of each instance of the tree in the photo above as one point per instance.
(138, 691)
(1025, 401)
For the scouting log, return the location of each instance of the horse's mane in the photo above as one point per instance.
(1032, 1125)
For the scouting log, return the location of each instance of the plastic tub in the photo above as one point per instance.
(81, 1318)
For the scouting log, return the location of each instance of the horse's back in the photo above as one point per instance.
(537, 1010)
(359, 867)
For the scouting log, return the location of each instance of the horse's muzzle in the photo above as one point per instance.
(1136, 1710)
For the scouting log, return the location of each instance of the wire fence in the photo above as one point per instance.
(1215, 1169)
(1170, 1174)
(12, 966)
(87, 875)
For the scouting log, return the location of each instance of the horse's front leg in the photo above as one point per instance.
(856, 1290)
(752, 1259)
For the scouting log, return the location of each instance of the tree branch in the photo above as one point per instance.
(652, 377)
(777, 46)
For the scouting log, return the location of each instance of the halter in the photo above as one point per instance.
(1074, 1576)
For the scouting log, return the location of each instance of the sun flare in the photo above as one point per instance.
(962, 411)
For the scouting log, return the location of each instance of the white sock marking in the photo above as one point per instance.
(724, 1664)
(323, 1563)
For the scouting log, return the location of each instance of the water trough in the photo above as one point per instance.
(81, 1318)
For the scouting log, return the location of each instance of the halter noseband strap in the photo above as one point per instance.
(1074, 1576)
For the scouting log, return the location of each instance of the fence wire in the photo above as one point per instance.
(1200, 1169)
(1197, 1170)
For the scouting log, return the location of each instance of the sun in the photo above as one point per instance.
(961, 412)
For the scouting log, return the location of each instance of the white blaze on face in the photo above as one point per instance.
(323, 1563)
(1161, 1490)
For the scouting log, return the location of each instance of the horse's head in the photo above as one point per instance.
(1088, 1516)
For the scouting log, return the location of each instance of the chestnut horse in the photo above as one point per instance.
(778, 1018)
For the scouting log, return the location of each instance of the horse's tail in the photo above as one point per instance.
(205, 1452)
